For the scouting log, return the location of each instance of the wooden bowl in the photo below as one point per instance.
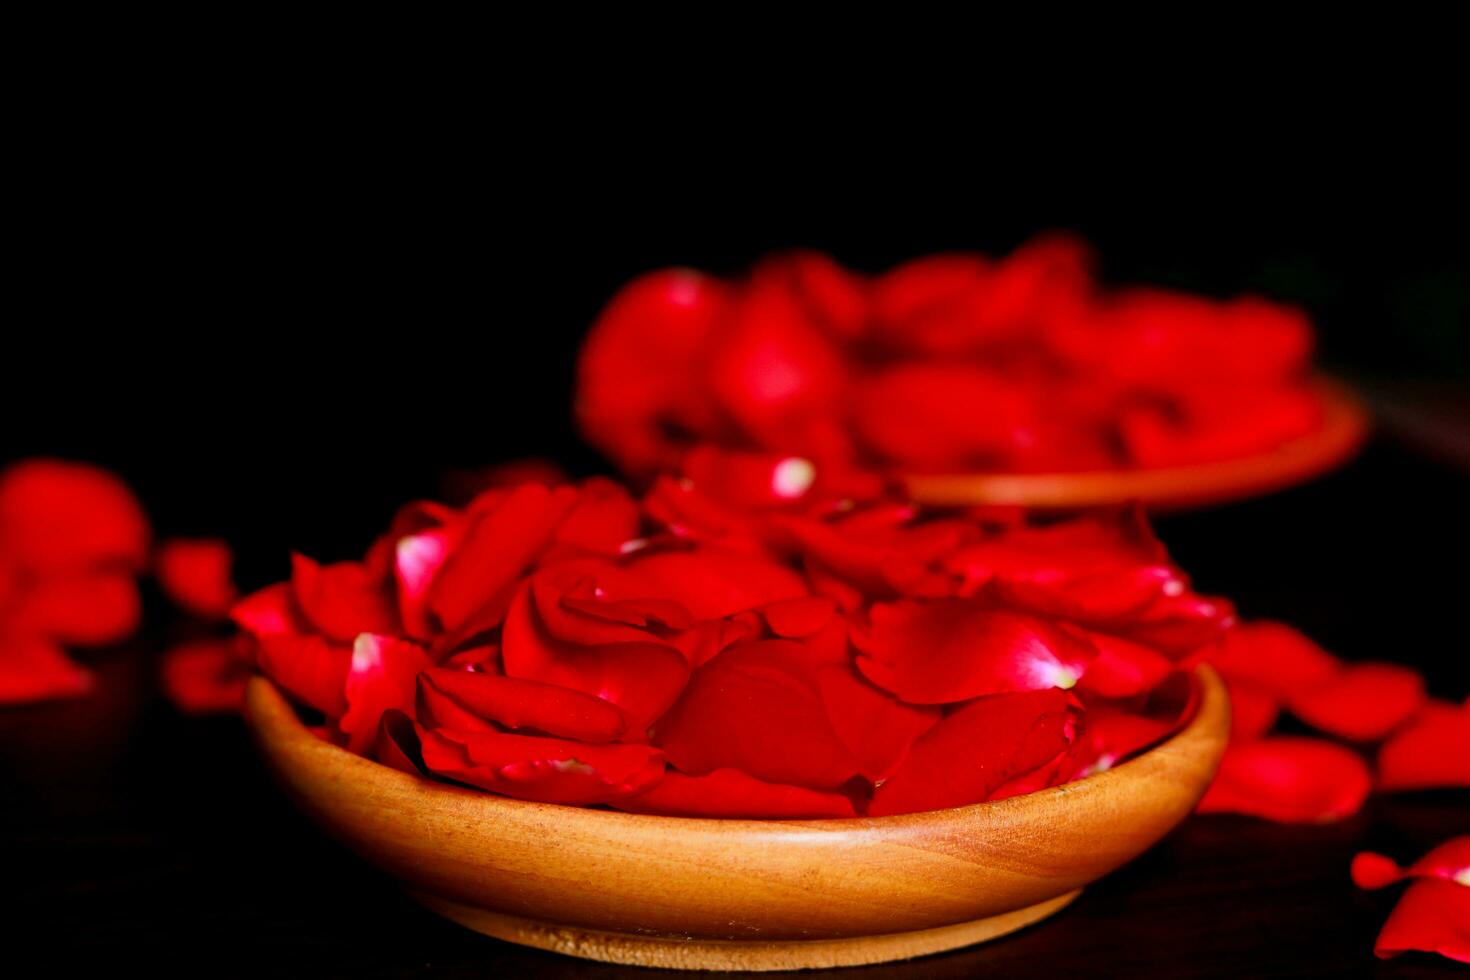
(741, 894)
(1344, 427)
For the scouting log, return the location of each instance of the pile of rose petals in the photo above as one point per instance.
(72, 542)
(950, 363)
(1433, 915)
(718, 648)
(1272, 669)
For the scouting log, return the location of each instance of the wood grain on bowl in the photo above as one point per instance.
(1344, 428)
(741, 894)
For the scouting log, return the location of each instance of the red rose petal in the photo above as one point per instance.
(771, 370)
(882, 560)
(748, 480)
(61, 516)
(713, 584)
(1108, 736)
(1362, 702)
(641, 678)
(397, 744)
(1431, 751)
(517, 703)
(436, 709)
(1450, 860)
(794, 618)
(952, 650)
(195, 574)
(382, 675)
(876, 728)
(1273, 658)
(1433, 916)
(1122, 669)
(1372, 871)
(206, 676)
(498, 546)
(640, 366)
(417, 559)
(1289, 780)
(1183, 625)
(308, 668)
(340, 600)
(89, 608)
(831, 296)
(732, 794)
(1252, 711)
(602, 520)
(757, 708)
(33, 668)
(976, 750)
(928, 416)
(271, 610)
(548, 770)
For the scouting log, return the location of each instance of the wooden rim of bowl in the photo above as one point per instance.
(1201, 742)
(1343, 430)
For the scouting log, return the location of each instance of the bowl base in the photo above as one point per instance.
(748, 955)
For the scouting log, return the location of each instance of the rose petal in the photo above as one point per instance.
(1273, 658)
(62, 516)
(517, 703)
(640, 367)
(1289, 780)
(498, 546)
(641, 678)
(1431, 751)
(206, 676)
(793, 618)
(1108, 736)
(382, 675)
(548, 770)
(952, 650)
(713, 584)
(732, 794)
(757, 708)
(1450, 860)
(977, 749)
(603, 518)
(32, 668)
(748, 480)
(1252, 711)
(417, 559)
(1362, 702)
(195, 574)
(270, 611)
(340, 600)
(1433, 916)
(928, 416)
(770, 369)
(876, 728)
(1122, 669)
(436, 709)
(308, 668)
(88, 608)
(397, 744)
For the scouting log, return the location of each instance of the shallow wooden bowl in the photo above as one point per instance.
(741, 894)
(1344, 427)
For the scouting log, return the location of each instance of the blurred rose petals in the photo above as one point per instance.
(1290, 780)
(195, 573)
(1431, 751)
(72, 541)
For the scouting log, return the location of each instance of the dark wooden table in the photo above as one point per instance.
(131, 837)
